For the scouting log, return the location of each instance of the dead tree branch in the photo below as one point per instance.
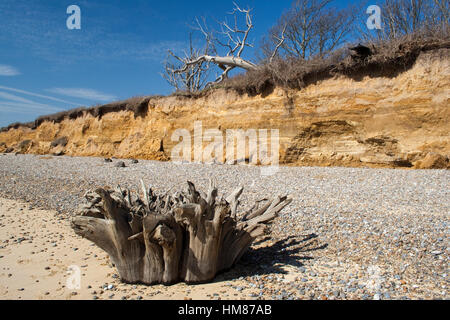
(231, 40)
(194, 76)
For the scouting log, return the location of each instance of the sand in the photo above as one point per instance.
(38, 247)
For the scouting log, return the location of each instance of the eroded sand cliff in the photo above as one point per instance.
(389, 122)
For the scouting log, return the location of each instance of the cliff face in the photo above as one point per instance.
(382, 122)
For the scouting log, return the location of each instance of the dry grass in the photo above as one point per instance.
(388, 60)
(138, 105)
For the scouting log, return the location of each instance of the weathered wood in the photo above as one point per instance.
(189, 236)
(233, 39)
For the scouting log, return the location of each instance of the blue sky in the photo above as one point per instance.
(117, 54)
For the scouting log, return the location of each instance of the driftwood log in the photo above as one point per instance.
(164, 239)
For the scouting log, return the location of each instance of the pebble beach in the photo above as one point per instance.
(350, 233)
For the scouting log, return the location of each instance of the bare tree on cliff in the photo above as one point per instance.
(311, 27)
(195, 76)
(224, 49)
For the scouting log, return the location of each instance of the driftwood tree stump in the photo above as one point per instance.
(187, 236)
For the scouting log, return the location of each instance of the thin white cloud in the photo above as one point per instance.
(19, 107)
(13, 97)
(83, 93)
(14, 110)
(8, 71)
(17, 104)
(38, 95)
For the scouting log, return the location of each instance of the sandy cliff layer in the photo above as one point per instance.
(390, 122)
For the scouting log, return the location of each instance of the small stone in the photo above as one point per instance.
(120, 164)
